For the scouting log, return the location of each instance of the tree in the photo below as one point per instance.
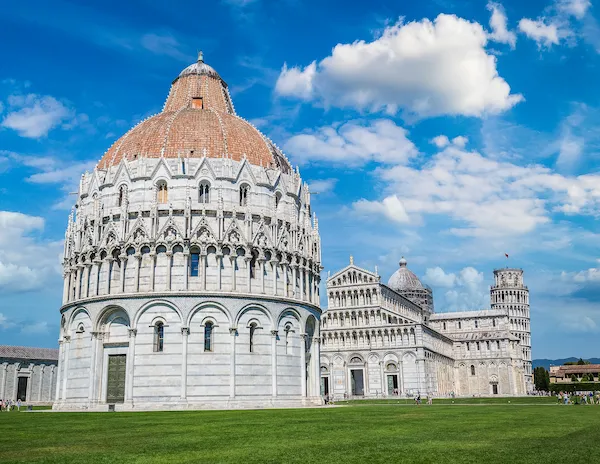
(574, 378)
(541, 379)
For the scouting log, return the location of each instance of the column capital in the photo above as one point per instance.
(232, 330)
(316, 340)
(98, 335)
(185, 331)
(274, 333)
(303, 336)
(67, 338)
(132, 333)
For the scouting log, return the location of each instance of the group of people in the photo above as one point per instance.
(418, 399)
(7, 405)
(579, 398)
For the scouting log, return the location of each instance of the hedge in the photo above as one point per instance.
(574, 386)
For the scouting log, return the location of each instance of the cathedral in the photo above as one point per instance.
(385, 340)
(192, 265)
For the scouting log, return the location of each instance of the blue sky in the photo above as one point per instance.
(448, 132)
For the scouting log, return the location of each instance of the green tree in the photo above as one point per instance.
(573, 378)
(541, 379)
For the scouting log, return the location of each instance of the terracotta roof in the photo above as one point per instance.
(26, 352)
(561, 371)
(198, 119)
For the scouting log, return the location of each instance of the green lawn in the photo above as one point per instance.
(370, 434)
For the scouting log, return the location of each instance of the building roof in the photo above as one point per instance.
(197, 120)
(27, 352)
(404, 279)
(467, 314)
(561, 371)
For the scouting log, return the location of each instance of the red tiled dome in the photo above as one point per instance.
(198, 118)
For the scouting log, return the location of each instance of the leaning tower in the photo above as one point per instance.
(508, 294)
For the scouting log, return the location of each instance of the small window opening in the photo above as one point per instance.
(244, 190)
(252, 330)
(159, 334)
(472, 370)
(197, 103)
(208, 328)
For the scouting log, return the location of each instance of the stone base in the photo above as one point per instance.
(189, 405)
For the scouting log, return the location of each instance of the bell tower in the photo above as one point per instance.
(508, 294)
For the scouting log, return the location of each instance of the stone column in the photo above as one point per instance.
(248, 274)
(261, 267)
(302, 275)
(202, 270)
(16, 381)
(303, 363)
(233, 334)
(169, 255)
(130, 365)
(110, 272)
(65, 375)
(58, 374)
(382, 375)
(138, 264)
(185, 331)
(65, 287)
(233, 261)
(294, 274)
(123, 259)
(219, 271)
(274, 265)
(152, 269)
(366, 379)
(3, 368)
(274, 361)
(41, 383)
(92, 378)
(98, 263)
(88, 267)
(285, 269)
(316, 365)
(53, 383)
(79, 279)
(186, 273)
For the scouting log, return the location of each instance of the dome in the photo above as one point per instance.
(404, 279)
(197, 120)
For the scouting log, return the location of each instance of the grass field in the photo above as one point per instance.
(385, 433)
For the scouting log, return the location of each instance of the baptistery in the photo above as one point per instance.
(191, 266)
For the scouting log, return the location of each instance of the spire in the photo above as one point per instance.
(351, 259)
(200, 57)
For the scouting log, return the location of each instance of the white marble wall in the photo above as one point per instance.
(41, 380)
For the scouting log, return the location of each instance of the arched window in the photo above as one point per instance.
(444, 326)
(288, 328)
(277, 199)
(244, 192)
(194, 262)
(493, 322)
(162, 194)
(472, 370)
(122, 195)
(252, 330)
(159, 336)
(459, 325)
(161, 249)
(476, 324)
(208, 339)
(204, 192)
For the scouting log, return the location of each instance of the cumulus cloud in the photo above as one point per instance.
(390, 207)
(27, 262)
(33, 116)
(576, 8)
(424, 68)
(353, 143)
(461, 291)
(440, 141)
(498, 21)
(322, 185)
(485, 197)
(545, 35)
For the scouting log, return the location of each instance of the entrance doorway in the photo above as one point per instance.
(494, 388)
(115, 391)
(392, 384)
(324, 386)
(358, 386)
(22, 389)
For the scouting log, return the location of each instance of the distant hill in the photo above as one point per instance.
(546, 363)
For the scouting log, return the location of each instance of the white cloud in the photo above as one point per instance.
(440, 141)
(322, 185)
(465, 290)
(500, 32)
(33, 116)
(423, 68)
(391, 208)
(460, 141)
(26, 261)
(576, 8)
(485, 197)
(545, 35)
(164, 44)
(296, 82)
(353, 143)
